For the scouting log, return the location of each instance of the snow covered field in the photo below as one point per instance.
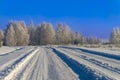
(5, 49)
(58, 63)
(106, 50)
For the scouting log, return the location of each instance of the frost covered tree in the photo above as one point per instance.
(50, 34)
(10, 39)
(31, 31)
(43, 34)
(93, 40)
(63, 34)
(37, 35)
(47, 34)
(21, 33)
(115, 36)
(1, 35)
(66, 34)
(59, 34)
(76, 37)
(17, 34)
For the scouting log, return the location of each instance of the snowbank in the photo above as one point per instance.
(5, 49)
(105, 50)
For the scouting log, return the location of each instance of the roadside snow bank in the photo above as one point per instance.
(104, 50)
(20, 66)
(5, 49)
(113, 51)
(101, 71)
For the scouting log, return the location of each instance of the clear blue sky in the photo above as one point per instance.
(91, 17)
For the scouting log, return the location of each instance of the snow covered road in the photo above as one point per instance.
(108, 68)
(57, 63)
(32, 63)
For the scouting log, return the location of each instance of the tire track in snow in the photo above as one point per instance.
(40, 65)
(8, 60)
(58, 70)
(6, 68)
(4, 54)
(98, 60)
(112, 56)
(20, 64)
(84, 72)
(46, 64)
(87, 70)
(23, 75)
(36, 69)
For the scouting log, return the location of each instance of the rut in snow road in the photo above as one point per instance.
(40, 63)
(107, 72)
(56, 63)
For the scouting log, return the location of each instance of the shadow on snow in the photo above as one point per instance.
(112, 56)
(82, 71)
(10, 52)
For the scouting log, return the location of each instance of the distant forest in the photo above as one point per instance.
(18, 34)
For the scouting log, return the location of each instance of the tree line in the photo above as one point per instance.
(115, 36)
(18, 33)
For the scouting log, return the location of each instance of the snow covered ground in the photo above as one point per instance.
(5, 49)
(56, 63)
(106, 50)
(114, 51)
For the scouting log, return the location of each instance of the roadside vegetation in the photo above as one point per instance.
(19, 34)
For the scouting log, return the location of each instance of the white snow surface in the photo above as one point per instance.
(34, 63)
(105, 50)
(55, 63)
(5, 49)
(101, 65)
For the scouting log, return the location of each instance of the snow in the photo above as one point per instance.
(99, 59)
(105, 50)
(34, 63)
(5, 49)
(97, 67)
(19, 66)
(56, 63)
